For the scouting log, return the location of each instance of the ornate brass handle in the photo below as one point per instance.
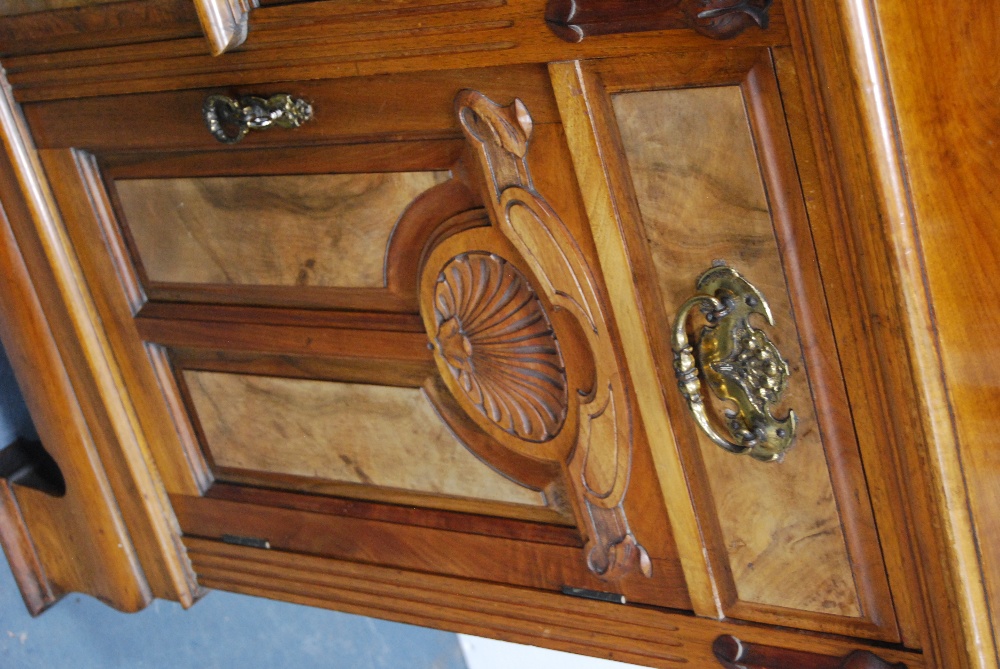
(739, 363)
(229, 120)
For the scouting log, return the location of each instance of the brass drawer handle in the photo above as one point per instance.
(739, 363)
(229, 120)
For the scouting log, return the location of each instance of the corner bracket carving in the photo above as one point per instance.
(573, 20)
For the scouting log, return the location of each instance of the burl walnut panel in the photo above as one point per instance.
(302, 230)
(698, 183)
(375, 436)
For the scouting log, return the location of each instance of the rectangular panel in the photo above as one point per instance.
(695, 172)
(326, 433)
(300, 230)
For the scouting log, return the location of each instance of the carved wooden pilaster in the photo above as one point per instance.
(521, 337)
(225, 22)
(735, 654)
(572, 20)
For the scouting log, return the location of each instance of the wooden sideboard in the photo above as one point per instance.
(637, 329)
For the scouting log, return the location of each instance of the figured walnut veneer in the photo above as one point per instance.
(695, 171)
(330, 432)
(301, 230)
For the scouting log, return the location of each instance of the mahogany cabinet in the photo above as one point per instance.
(571, 324)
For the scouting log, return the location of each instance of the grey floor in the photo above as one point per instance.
(222, 631)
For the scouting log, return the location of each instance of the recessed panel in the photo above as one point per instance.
(313, 435)
(696, 175)
(302, 230)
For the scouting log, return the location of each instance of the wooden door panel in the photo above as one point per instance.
(309, 410)
(689, 164)
(694, 168)
(327, 433)
(301, 230)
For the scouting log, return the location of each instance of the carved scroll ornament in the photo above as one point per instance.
(506, 308)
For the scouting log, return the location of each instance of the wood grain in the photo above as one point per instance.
(599, 168)
(348, 42)
(634, 634)
(469, 556)
(699, 188)
(590, 436)
(903, 396)
(53, 549)
(543, 524)
(574, 20)
(84, 340)
(379, 436)
(733, 653)
(351, 110)
(132, 21)
(14, 7)
(307, 230)
(945, 209)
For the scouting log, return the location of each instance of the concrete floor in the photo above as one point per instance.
(222, 631)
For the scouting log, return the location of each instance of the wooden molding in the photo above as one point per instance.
(856, 116)
(225, 22)
(129, 519)
(638, 635)
(573, 20)
(52, 547)
(735, 654)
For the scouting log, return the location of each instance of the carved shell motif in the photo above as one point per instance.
(497, 341)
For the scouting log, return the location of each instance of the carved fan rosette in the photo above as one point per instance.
(521, 341)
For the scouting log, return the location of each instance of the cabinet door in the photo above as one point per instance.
(377, 338)
(687, 167)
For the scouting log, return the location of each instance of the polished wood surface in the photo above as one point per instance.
(617, 223)
(346, 39)
(878, 334)
(694, 168)
(128, 22)
(12, 7)
(905, 401)
(37, 528)
(946, 211)
(306, 230)
(582, 112)
(733, 653)
(379, 436)
(478, 557)
(629, 634)
(574, 20)
(108, 419)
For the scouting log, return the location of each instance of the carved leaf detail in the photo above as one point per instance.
(497, 341)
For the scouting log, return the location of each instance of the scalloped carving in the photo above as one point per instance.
(498, 343)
